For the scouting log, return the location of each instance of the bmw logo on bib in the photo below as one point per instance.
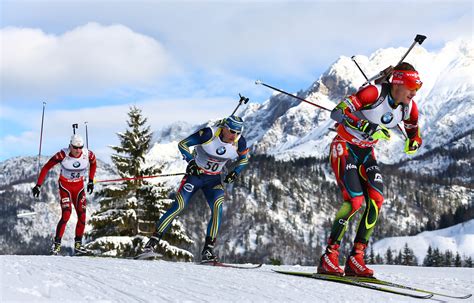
(76, 164)
(387, 118)
(220, 150)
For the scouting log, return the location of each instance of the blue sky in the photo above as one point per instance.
(183, 60)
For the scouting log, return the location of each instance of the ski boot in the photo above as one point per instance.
(56, 247)
(207, 254)
(355, 265)
(329, 262)
(150, 247)
(79, 249)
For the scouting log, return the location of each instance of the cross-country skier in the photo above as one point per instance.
(214, 146)
(352, 157)
(74, 161)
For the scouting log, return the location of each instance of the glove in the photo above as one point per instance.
(382, 134)
(90, 187)
(366, 127)
(412, 145)
(36, 191)
(230, 177)
(193, 169)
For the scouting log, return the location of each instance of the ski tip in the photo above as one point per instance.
(257, 82)
(238, 266)
(463, 297)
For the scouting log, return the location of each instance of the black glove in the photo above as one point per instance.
(230, 177)
(36, 191)
(193, 169)
(367, 127)
(90, 187)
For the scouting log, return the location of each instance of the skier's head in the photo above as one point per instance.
(232, 127)
(76, 143)
(405, 83)
(234, 124)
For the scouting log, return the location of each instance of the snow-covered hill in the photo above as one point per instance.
(84, 279)
(286, 128)
(458, 238)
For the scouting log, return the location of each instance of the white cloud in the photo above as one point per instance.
(103, 123)
(85, 60)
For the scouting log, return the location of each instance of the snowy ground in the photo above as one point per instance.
(87, 279)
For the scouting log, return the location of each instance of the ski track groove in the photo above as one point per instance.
(90, 279)
(87, 278)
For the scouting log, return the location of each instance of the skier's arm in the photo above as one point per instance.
(243, 159)
(343, 112)
(411, 122)
(57, 158)
(199, 137)
(93, 165)
(411, 127)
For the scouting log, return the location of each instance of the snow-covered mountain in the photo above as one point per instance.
(59, 279)
(287, 128)
(458, 238)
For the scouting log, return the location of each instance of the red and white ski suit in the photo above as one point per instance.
(71, 186)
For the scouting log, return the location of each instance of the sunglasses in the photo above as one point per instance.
(77, 147)
(413, 84)
(233, 132)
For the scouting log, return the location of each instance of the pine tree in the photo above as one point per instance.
(429, 261)
(457, 260)
(126, 209)
(399, 258)
(437, 258)
(378, 259)
(389, 256)
(408, 257)
(468, 262)
(371, 257)
(448, 258)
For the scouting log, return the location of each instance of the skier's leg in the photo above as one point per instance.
(344, 164)
(374, 187)
(370, 173)
(189, 185)
(345, 167)
(80, 204)
(66, 199)
(214, 193)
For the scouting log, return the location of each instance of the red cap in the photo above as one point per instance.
(409, 78)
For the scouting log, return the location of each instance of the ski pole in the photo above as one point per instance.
(363, 74)
(258, 82)
(87, 136)
(418, 39)
(41, 139)
(243, 100)
(138, 178)
(368, 82)
(74, 127)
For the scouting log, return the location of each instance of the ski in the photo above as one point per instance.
(392, 284)
(84, 253)
(353, 282)
(147, 256)
(220, 264)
